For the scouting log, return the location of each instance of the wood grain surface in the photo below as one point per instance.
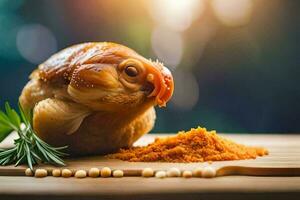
(284, 160)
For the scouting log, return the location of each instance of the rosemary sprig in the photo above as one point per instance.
(29, 148)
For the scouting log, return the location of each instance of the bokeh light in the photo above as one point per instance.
(36, 43)
(235, 62)
(177, 15)
(233, 12)
(167, 45)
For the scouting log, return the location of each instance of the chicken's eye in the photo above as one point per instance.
(131, 71)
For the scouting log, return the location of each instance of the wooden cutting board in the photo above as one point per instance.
(283, 159)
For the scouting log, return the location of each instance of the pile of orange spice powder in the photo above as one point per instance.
(196, 145)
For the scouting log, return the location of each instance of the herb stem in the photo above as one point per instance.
(29, 148)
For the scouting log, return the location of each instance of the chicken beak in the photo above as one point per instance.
(163, 83)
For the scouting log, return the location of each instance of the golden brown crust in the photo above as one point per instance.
(79, 98)
(91, 75)
(99, 133)
(60, 66)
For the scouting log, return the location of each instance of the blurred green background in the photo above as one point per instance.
(235, 62)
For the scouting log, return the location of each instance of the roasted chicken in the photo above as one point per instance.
(96, 97)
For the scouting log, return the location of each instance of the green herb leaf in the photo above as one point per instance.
(12, 115)
(29, 148)
(4, 131)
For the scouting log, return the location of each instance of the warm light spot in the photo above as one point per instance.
(175, 14)
(168, 46)
(233, 12)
